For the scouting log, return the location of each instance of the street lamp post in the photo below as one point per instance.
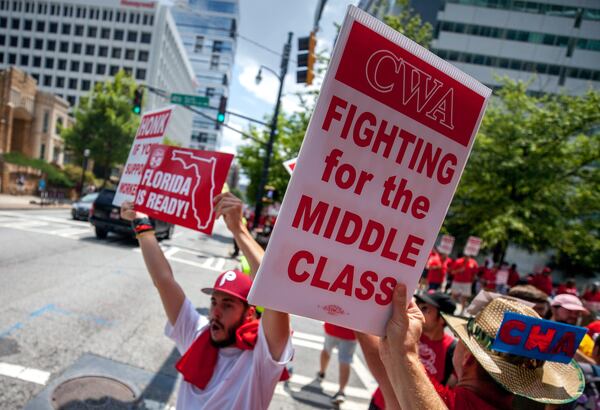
(285, 58)
(86, 154)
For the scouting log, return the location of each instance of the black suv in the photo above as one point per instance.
(107, 218)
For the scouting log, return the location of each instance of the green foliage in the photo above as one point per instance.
(533, 178)
(104, 122)
(410, 24)
(73, 172)
(171, 142)
(54, 175)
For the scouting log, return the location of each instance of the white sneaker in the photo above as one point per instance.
(339, 398)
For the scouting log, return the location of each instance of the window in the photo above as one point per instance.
(79, 30)
(53, 27)
(43, 149)
(90, 49)
(12, 59)
(46, 122)
(36, 76)
(210, 92)
(40, 26)
(217, 46)
(64, 47)
(49, 62)
(58, 125)
(15, 24)
(114, 69)
(26, 42)
(92, 31)
(129, 54)
(72, 83)
(87, 67)
(128, 70)
(146, 38)
(51, 45)
(140, 74)
(3, 22)
(72, 100)
(103, 51)
(118, 34)
(75, 66)
(37, 61)
(85, 85)
(132, 36)
(214, 62)
(62, 64)
(14, 41)
(142, 55)
(66, 29)
(199, 44)
(60, 82)
(76, 48)
(47, 81)
(24, 60)
(116, 52)
(105, 33)
(101, 69)
(28, 24)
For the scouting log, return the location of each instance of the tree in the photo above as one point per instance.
(104, 123)
(292, 127)
(533, 176)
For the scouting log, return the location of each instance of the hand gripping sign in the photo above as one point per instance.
(178, 186)
(151, 131)
(381, 159)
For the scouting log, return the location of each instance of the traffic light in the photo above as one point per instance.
(306, 59)
(138, 96)
(221, 113)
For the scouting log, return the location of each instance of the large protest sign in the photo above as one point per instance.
(151, 130)
(381, 159)
(472, 246)
(178, 185)
(446, 244)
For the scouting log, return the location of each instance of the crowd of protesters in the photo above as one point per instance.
(436, 352)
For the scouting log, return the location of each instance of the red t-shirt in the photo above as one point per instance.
(489, 279)
(433, 356)
(542, 282)
(591, 297)
(435, 269)
(464, 271)
(513, 278)
(338, 331)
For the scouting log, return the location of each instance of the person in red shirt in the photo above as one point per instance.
(486, 379)
(345, 341)
(543, 281)
(591, 298)
(488, 276)
(436, 347)
(464, 270)
(513, 276)
(569, 287)
(436, 270)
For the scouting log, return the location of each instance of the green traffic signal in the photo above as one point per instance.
(221, 117)
(137, 109)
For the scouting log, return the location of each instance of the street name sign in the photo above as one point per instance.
(193, 100)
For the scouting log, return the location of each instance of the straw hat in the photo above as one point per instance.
(544, 382)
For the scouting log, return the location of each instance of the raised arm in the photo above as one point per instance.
(275, 324)
(171, 294)
(399, 352)
(370, 348)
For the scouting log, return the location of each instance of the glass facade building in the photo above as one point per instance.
(208, 30)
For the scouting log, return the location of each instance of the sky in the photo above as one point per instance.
(267, 22)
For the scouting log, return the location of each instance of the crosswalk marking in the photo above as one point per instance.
(216, 264)
(24, 373)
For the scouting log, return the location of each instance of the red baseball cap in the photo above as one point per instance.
(232, 282)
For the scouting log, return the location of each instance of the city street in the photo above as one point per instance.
(76, 305)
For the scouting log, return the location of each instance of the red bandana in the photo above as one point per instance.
(198, 363)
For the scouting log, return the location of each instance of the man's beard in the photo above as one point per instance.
(231, 335)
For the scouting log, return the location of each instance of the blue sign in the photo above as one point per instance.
(538, 338)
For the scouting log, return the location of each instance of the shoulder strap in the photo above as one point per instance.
(448, 367)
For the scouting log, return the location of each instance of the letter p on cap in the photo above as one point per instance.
(229, 276)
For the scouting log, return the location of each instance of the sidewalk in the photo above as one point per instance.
(18, 202)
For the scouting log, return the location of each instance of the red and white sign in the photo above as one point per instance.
(178, 186)
(290, 164)
(151, 131)
(446, 244)
(381, 159)
(472, 246)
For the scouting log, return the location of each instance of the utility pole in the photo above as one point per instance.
(285, 58)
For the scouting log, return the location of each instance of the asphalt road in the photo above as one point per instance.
(73, 305)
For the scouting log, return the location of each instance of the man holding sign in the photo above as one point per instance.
(230, 360)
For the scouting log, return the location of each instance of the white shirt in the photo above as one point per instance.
(242, 379)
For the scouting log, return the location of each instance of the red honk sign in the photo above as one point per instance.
(178, 186)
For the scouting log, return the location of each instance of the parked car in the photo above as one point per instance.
(81, 209)
(107, 218)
